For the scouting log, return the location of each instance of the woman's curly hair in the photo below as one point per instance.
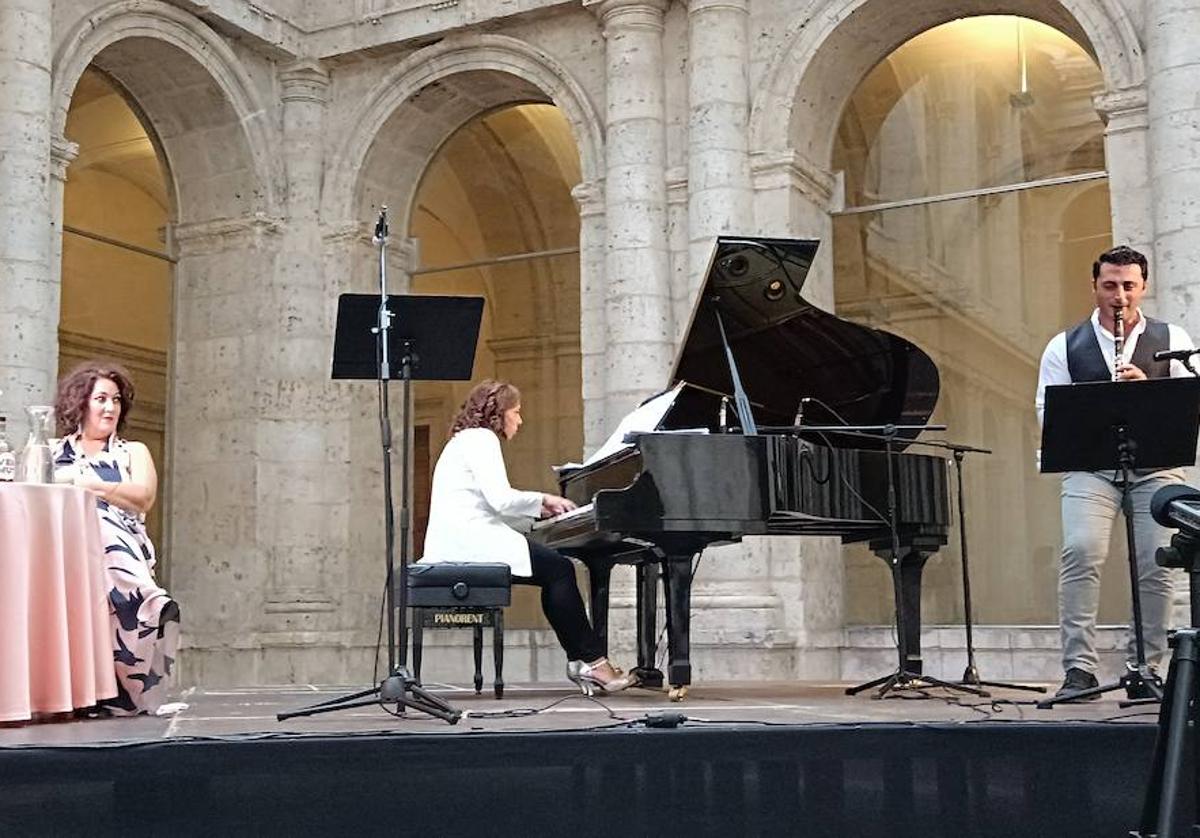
(75, 391)
(484, 407)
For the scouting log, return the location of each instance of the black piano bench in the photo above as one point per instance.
(461, 595)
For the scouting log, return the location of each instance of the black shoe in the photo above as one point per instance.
(1078, 680)
(1137, 687)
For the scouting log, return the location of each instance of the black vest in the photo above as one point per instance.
(1086, 363)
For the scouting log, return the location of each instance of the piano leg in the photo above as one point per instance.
(599, 573)
(677, 584)
(647, 625)
(912, 566)
(906, 582)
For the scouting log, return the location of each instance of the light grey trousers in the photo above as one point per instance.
(1091, 503)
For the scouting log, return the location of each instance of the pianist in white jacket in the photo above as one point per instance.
(472, 513)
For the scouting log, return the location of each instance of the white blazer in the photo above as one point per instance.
(472, 507)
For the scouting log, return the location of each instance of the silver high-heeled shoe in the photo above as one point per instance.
(583, 675)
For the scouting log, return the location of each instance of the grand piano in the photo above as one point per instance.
(703, 476)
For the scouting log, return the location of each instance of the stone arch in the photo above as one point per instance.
(834, 43)
(459, 77)
(155, 50)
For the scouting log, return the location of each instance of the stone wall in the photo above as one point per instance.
(285, 127)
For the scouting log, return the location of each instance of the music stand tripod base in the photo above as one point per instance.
(433, 338)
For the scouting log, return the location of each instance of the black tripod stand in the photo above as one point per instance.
(1179, 716)
(971, 673)
(446, 330)
(1147, 424)
(905, 565)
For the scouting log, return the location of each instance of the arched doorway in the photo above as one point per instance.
(474, 143)
(976, 198)
(494, 217)
(117, 272)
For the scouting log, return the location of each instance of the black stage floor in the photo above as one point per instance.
(764, 759)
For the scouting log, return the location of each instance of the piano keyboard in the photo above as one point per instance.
(577, 512)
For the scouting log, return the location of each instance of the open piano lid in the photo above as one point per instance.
(787, 349)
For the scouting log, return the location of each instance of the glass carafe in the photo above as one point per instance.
(37, 460)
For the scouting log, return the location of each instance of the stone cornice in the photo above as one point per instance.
(202, 236)
(403, 251)
(304, 81)
(788, 168)
(255, 24)
(520, 348)
(1123, 110)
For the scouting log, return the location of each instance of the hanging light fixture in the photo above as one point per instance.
(1023, 98)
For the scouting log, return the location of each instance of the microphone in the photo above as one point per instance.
(1177, 506)
(381, 226)
(800, 411)
(1174, 354)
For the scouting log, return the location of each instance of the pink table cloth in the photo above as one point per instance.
(55, 638)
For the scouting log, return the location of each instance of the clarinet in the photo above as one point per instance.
(1118, 341)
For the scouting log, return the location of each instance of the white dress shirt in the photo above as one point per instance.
(472, 508)
(1054, 360)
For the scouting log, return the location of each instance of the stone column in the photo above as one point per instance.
(639, 342)
(62, 154)
(29, 293)
(719, 188)
(1173, 69)
(302, 490)
(1124, 113)
(589, 197)
(1173, 112)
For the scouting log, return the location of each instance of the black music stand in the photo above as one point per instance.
(433, 339)
(971, 673)
(1120, 426)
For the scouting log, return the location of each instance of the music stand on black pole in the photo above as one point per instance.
(432, 339)
(1119, 426)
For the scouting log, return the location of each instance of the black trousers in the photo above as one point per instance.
(561, 603)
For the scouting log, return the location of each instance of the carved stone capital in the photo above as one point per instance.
(304, 81)
(629, 14)
(589, 197)
(1123, 110)
(62, 153)
(790, 169)
(207, 236)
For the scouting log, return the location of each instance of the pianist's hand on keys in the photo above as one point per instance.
(554, 505)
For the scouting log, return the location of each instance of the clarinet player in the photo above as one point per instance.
(1116, 343)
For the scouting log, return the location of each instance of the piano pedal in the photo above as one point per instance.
(677, 693)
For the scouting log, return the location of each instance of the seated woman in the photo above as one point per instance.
(471, 507)
(92, 407)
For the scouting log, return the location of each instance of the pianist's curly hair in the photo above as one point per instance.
(485, 405)
(75, 391)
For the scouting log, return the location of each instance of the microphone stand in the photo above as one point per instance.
(903, 677)
(399, 687)
(971, 673)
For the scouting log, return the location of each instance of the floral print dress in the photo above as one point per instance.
(144, 618)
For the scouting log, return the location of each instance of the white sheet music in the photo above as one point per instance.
(643, 419)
